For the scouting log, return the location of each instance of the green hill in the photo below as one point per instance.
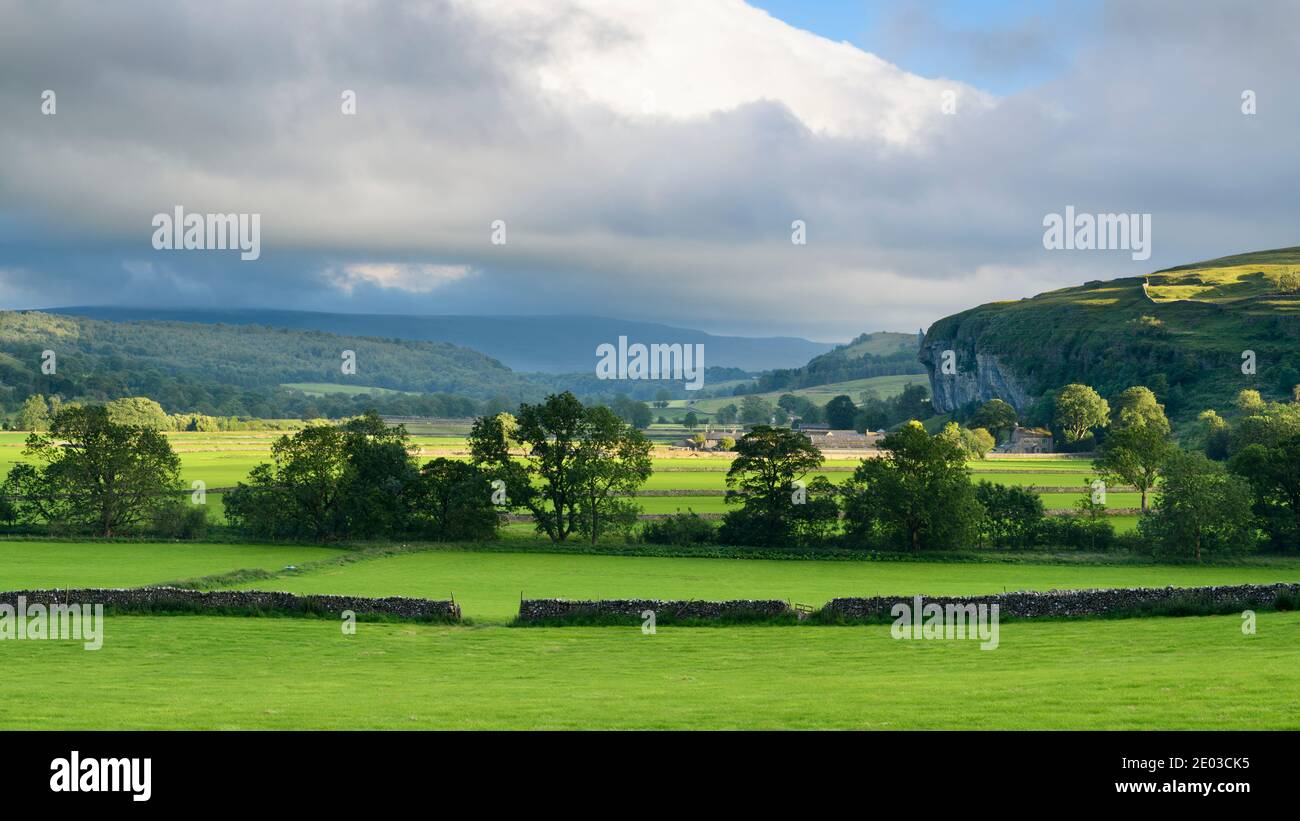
(869, 355)
(269, 372)
(1182, 332)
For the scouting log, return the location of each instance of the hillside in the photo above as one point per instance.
(255, 370)
(881, 387)
(869, 355)
(549, 344)
(1182, 335)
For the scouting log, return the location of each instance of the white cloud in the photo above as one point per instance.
(413, 278)
(685, 59)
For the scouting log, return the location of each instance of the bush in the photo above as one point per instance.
(179, 519)
(687, 528)
(1013, 516)
(1077, 533)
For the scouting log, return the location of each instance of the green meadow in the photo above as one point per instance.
(489, 585)
(234, 672)
(57, 564)
(183, 672)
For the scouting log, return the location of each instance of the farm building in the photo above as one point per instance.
(827, 439)
(712, 439)
(1027, 440)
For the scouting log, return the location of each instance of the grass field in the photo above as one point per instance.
(488, 585)
(883, 387)
(247, 673)
(29, 565)
(209, 672)
(328, 388)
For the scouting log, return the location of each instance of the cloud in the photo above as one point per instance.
(412, 278)
(647, 159)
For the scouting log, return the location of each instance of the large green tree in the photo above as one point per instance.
(767, 480)
(996, 417)
(90, 473)
(1079, 409)
(452, 501)
(613, 462)
(1200, 507)
(1137, 446)
(138, 411)
(918, 496)
(841, 412)
(570, 456)
(329, 482)
(34, 414)
(1273, 472)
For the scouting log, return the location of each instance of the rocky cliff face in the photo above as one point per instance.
(980, 377)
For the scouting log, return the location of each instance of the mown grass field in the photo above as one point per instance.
(883, 387)
(488, 585)
(249, 673)
(50, 564)
(209, 672)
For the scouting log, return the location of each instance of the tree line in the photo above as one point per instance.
(574, 469)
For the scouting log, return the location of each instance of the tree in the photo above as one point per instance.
(378, 468)
(1200, 506)
(662, 397)
(35, 414)
(1249, 401)
(635, 413)
(451, 500)
(975, 443)
(1136, 447)
(691, 420)
(1133, 455)
(1138, 406)
(329, 482)
(918, 496)
(754, 411)
(912, 403)
(1271, 471)
(841, 412)
(726, 414)
(577, 461)
(613, 462)
(766, 479)
(1012, 515)
(1214, 434)
(92, 473)
(995, 416)
(1078, 410)
(138, 411)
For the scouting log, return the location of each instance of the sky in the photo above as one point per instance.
(653, 161)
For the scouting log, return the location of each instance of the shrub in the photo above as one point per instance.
(1013, 516)
(1077, 533)
(687, 528)
(179, 519)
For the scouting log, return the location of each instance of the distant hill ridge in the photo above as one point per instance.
(548, 344)
(1181, 331)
